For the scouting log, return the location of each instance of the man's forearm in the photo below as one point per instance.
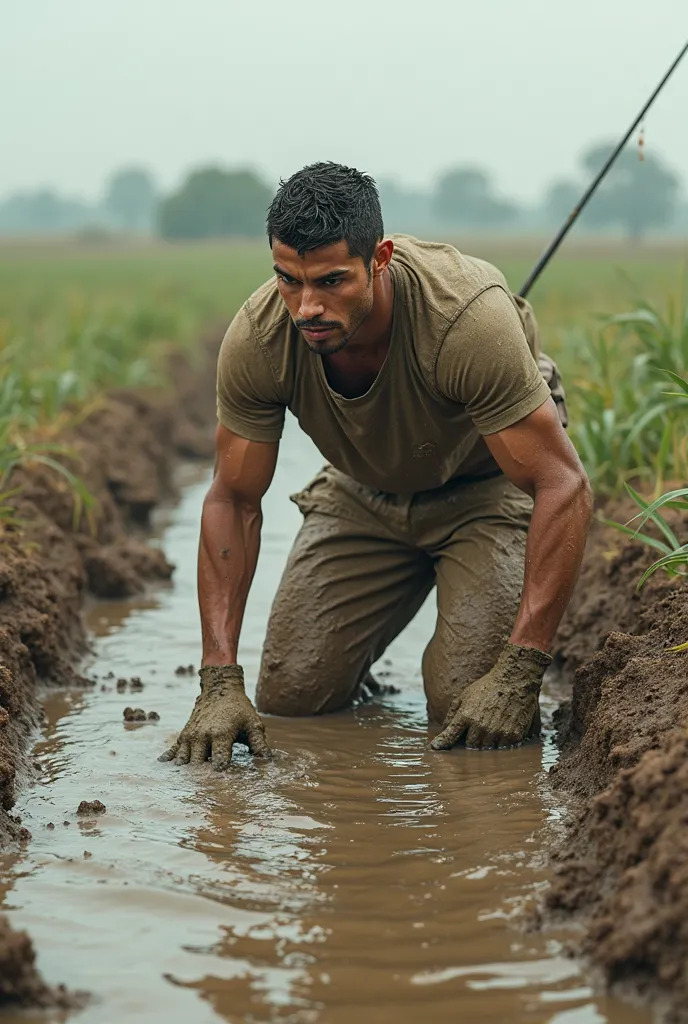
(227, 558)
(554, 550)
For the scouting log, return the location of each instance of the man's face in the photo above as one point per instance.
(328, 293)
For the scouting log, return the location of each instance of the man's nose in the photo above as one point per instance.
(311, 306)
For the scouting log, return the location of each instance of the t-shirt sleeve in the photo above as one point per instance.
(248, 399)
(486, 364)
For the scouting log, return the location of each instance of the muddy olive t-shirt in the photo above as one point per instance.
(461, 364)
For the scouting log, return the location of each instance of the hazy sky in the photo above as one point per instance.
(399, 88)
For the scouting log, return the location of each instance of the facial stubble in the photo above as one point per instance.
(358, 318)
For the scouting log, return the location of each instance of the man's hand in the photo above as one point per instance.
(223, 715)
(500, 709)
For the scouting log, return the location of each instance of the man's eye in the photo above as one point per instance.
(286, 280)
(330, 282)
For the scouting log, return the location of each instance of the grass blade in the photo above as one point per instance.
(670, 563)
(644, 538)
(656, 518)
(664, 499)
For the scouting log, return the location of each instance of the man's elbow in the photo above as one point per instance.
(241, 501)
(568, 486)
(580, 492)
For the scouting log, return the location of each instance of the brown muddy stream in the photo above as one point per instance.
(359, 877)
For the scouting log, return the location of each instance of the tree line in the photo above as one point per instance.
(637, 197)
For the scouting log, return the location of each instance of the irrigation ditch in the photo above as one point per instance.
(620, 872)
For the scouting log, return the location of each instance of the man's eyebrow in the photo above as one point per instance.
(282, 273)
(333, 273)
(340, 272)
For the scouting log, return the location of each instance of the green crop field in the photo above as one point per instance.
(185, 286)
(79, 317)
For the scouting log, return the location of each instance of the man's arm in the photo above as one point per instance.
(230, 540)
(537, 456)
(501, 709)
(227, 558)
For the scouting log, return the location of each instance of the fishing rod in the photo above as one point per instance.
(587, 195)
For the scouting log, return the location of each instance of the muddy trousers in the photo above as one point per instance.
(362, 565)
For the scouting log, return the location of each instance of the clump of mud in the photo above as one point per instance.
(120, 570)
(139, 715)
(91, 807)
(622, 869)
(134, 684)
(134, 715)
(20, 983)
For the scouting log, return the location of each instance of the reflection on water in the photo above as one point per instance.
(357, 877)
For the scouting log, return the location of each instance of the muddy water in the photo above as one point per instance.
(357, 877)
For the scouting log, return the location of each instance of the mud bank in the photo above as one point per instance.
(622, 869)
(606, 598)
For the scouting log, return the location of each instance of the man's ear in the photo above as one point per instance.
(382, 256)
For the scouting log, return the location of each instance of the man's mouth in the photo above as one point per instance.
(316, 333)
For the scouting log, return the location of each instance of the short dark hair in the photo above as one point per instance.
(326, 203)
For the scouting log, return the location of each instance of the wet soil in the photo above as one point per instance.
(357, 876)
(622, 869)
(89, 808)
(606, 599)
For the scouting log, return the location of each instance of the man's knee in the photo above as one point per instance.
(448, 667)
(304, 682)
(439, 680)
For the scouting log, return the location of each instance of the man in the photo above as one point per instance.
(413, 369)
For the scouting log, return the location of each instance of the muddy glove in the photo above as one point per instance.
(222, 716)
(501, 708)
